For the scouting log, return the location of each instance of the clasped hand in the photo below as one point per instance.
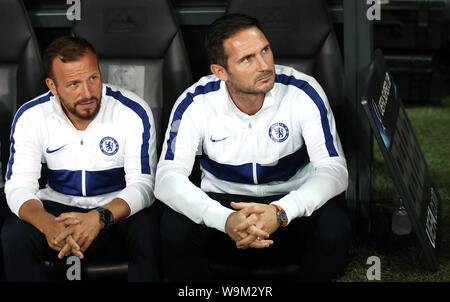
(73, 233)
(252, 225)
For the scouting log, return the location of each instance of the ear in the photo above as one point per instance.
(51, 85)
(219, 71)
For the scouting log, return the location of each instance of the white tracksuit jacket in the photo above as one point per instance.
(290, 146)
(114, 157)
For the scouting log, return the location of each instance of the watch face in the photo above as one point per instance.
(282, 217)
(106, 216)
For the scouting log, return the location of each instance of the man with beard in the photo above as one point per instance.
(271, 163)
(97, 143)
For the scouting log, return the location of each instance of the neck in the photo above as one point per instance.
(78, 123)
(81, 124)
(248, 103)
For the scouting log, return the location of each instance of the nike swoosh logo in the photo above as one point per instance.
(54, 150)
(217, 140)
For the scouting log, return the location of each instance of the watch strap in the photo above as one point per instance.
(106, 216)
(281, 215)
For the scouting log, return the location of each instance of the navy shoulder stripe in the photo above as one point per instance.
(179, 111)
(140, 111)
(43, 99)
(314, 95)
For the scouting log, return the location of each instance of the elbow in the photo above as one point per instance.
(345, 180)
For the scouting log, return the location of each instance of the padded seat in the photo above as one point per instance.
(21, 78)
(140, 47)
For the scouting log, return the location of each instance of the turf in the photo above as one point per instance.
(400, 256)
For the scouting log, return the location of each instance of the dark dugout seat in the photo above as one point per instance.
(21, 72)
(301, 35)
(21, 77)
(140, 48)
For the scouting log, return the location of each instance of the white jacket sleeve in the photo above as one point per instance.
(173, 187)
(330, 176)
(140, 160)
(24, 165)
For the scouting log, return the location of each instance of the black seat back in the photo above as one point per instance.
(21, 72)
(140, 47)
(21, 78)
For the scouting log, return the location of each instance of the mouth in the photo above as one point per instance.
(265, 78)
(86, 103)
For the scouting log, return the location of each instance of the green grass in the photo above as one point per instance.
(400, 256)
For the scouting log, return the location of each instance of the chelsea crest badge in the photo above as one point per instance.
(109, 145)
(278, 132)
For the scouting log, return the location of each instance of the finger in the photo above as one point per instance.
(261, 244)
(80, 239)
(245, 241)
(254, 242)
(66, 232)
(251, 220)
(70, 221)
(79, 254)
(257, 232)
(54, 247)
(64, 251)
(253, 209)
(64, 216)
(76, 250)
(247, 207)
(73, 244)
(86, 244)
(239, 205)
(258, 244)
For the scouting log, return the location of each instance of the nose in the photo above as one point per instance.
(86, 91)
(262, 64)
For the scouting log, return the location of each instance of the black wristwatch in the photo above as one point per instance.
(281, 215)
(106, 216)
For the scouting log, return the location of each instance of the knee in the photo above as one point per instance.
(334, 231)
(143, 230)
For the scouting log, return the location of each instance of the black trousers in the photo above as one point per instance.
(135, 238)
(318, 244)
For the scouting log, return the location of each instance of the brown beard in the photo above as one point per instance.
(88, 115)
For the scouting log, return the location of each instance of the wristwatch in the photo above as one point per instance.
(106, 216)
(281, 215)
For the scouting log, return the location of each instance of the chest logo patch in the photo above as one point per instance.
(109, 145)
(278, 132)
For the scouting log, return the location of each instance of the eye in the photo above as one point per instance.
(72, 84)
(245, 59)
(93, 78)
(265, 50)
